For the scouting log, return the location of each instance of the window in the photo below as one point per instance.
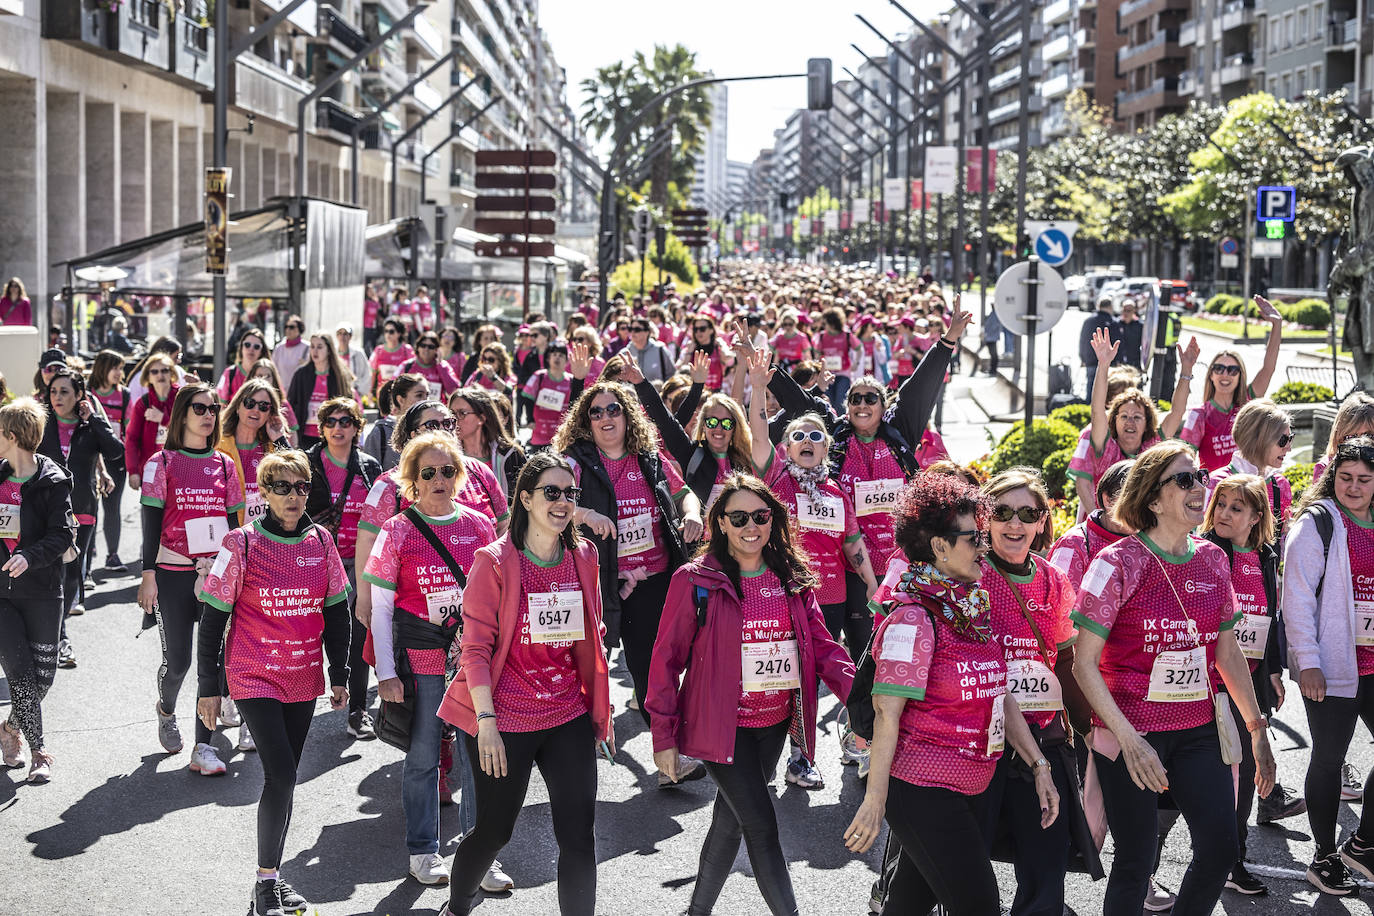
(1317, 77)
(1301, 83)
(1301, 36)
(1288, 31)
(1318, 19)
(1273, 85)
(1286, 82)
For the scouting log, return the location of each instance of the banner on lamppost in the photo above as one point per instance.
(831, 219)
(942, 167)
(974, 184)
(920, 200)
(787, 229)
(860, 209)
(817, 227)
(845, 220)
(217, 221)
(894, 194)
(762, 230)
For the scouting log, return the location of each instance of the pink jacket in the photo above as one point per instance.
(698, 712)
(491, 617)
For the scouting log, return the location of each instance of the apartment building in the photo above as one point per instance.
(1224, 39)
(1151, 60)
(710, 176)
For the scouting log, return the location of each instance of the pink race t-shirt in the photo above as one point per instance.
(1086, 462)
(1079, 546)
(1126, 599)
(639, 541)
(826, 528)
(383, 501)
(10, 501)
(1049, 600)
(953, 686)
(65, 428)
(539, 687)
(1247, 581)
(255, 506)
(1209, 428)
(439, 375)
(1359, 539)
(550, 398)
(197, 493)
(835, 351)
(764, 619)
(1274, 483)
(483, 492)
(872, 478)
(113, 402)
(402, 561)
(318, 395)
(276, 589)
(387, 363)
(790, 348)
(336, 474)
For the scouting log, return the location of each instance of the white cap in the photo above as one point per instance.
(346, 327)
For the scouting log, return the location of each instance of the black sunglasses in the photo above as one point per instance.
(864, 397)
(393, 331)
(200, 409)
(701, 327)
(610, 411)
(282, 488)
(447, 424)
(725, 423)
(1364, 453)
(426, 346)
(638, 328)
(448, 470)
(1027, 514)
(553, 494)
(1225, 370)
(739, 518)
(979, 539)
(1285, 439)
(799, 435)
(1186, 480)
(345, 422)
(253, 404)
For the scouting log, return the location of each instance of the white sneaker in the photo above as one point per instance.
(229, 713)
(429, 868)
(496, 880)
(205, 761)
(246, 742)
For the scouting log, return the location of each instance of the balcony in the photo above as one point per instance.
(425, 96)
(1012, 109)
(1133, 11)
(1188, 82)
(303, 17)
(332, 116)
(1056, 48)
(266, 91)
(384, 71)
(193, 52)
(1161, 93)
(1010, 141)
(1057, 11)
(1237, 14)
(394, 8)
(1344, 34)
(425, 38)
(335, 30)
(1237, 68)
(1132, 57)
(1055, 86)
(1187, 34)
(1085, 38)
(412, 154)
(1004, 79)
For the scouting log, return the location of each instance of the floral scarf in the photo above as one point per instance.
(962, 605)
(809, 479)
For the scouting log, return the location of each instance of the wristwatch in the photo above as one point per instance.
(1038, 763)
(1185, 378)
(1255, 725)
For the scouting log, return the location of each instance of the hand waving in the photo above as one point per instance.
(1103, 347)
(579, 359)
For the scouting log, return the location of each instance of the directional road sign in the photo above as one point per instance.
(1053, 241)
(1011, 298)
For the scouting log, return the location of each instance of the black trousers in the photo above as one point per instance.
(28, 655)
(1245, 789)
(74, 573)
(944, 858)
(279, 729)
(639, 617)
(1040, 857)
(177, 613)
(109, 509)
(358, 670)
(567, 762)
(744, 808)
(1332, 722)
(1200, 785)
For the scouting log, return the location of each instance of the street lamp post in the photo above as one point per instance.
(377, 112)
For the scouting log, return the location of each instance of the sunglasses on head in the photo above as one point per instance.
(740, 517)
(725, 423)
(252, 404)
(1226, 370)
(1285, 439)
(1027, 514)
(282, 488)
(448, 470)
(801, 435)
(554, 494)
(865, 397)
(344, 422)
(610, 411)
(1186, 480)
(201, 409)
(1363, 453)
(979, 539)
(447, 424)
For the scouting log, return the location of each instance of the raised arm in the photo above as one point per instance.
(675, 438)
(758, 411)
(916, 397)
(1105, 350)
(1260, 383)
(1187, 359)
(795, 402)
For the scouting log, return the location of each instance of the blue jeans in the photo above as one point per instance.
(420, 775)
(467, 786)
(839, 390)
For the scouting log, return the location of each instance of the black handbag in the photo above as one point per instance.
(395, 719)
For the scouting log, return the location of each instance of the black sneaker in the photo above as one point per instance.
(266, 899)
(360, 725)
(1279, 805)
(1358, 856)
(114, 564)
(1329, 876)
(1242, 882)
(291, 901)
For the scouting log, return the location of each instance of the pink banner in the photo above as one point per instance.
(975, 171)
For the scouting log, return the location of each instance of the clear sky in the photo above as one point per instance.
(731, 38)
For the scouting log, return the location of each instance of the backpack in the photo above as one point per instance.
(1326, 528)
(860, 702)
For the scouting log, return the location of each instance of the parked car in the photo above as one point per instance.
(1093, 281)
(1138, 287)
(1177, 294)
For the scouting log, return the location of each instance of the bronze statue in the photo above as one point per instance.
(1353, 274)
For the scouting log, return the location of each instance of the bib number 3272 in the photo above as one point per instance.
(1179, 676)
(556, 617)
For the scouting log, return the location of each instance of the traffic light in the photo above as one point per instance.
(819, 93)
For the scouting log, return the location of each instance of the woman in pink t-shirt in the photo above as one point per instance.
(275, 583)
(1264, 437)
(942, 712)
(1154, 614)
(1122, 429)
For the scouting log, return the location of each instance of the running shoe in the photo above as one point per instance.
(632, 702)
(1329, 876)
(360, 725)
(803, 773)
(40, 771)
(229, 713)
(291, 901)
(853, 749)
(168, 732)
(77, 609)
(266, 899)
(1242, 882)
(66, 655)
(11, 746)
(246, 742)
(688, 768)
(1280, 804)
(1352, 784)
(114, 564)
(205, 761)
(1159, 899)
(429, 868)
(496, 880)
(1358, 856)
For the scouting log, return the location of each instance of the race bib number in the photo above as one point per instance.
(255, 506)
(769, 665)
(436, 391)
(634, 535)
(1179, 676)
(204, 534)
(9, 521)
(388, 371)
(1034, 685)
(874, 496)
(556, 617)
(824, 514)
(834, 363)
(894, 368)
(997, 728)
(443, 604)
(551, 399)
(313, 410)
(1252, 632)
(162, 435)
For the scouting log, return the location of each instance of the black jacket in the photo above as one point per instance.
(319, 505)
(91, 439)
(1274, 651)
(599, 496)
(696, 460)
(302, 386)
(1085, 336)
(47, 529)
(902, 426)
(1132, 337)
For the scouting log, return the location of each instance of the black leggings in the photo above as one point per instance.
(744, 807)
(279, 729)
(639, 617)
(944, 858)
(74, 573)
(177, 613)
(28, 655)
(1332, 722)
(1245, 788)
(358, 670)
(109, 507)
(1040, 856)
(568, 765)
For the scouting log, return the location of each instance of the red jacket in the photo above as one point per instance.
(140, 435)
(491, 617)
(698, 713)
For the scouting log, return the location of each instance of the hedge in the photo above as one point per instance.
(1076, 415)
(1303, 393)
(1311, 313)
(1300, 477)
(1046, 437)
